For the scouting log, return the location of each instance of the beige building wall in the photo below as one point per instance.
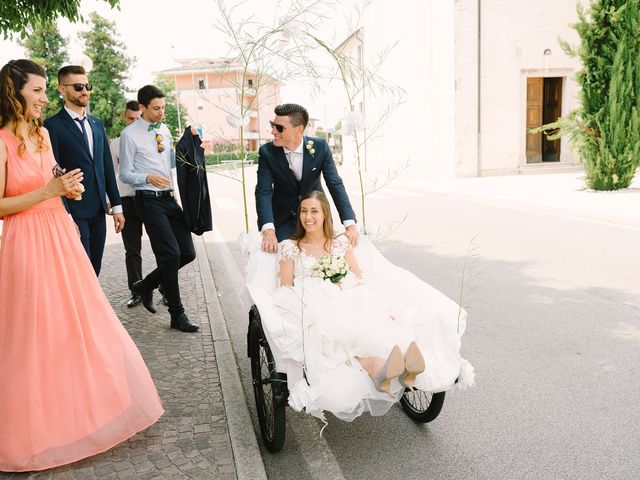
(211, 94)
(514, 36)
(463, 66)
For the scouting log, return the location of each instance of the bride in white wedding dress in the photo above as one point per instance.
(354, 345)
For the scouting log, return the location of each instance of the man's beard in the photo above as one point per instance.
(79, 102)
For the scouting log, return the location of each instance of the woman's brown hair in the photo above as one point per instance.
(13, 107)
(327, 226)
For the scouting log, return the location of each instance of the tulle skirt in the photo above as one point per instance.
(317, 330)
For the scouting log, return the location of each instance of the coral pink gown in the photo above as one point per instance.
(72, 382)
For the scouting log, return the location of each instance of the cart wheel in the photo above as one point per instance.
(269, 388)
(422, 406)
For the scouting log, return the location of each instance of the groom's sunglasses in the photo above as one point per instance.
(79, 86)
(277, 126)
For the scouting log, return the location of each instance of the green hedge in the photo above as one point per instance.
(216, 158)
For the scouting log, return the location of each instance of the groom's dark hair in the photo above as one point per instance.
(297, 114)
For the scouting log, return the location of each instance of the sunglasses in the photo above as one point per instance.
(159, 139)
(277, 126)
(79, 86)
(57, 171)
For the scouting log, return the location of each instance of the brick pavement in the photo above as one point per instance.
(192, 439)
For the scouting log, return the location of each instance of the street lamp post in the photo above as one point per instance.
(175, 85)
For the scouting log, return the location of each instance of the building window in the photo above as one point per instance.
(250, 83)
(201, 84)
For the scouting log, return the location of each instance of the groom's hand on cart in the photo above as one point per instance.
(269, 241)
(352, 234)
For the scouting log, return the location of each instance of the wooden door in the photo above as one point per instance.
(535, 90)
(551, 111)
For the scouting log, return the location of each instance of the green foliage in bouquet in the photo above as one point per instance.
(331, 267)
(605, 129)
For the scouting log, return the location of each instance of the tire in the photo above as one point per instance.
(269, 387)
(421, 406)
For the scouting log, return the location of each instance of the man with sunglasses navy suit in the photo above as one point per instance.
(145, 163)
(288, 168)
(79, 140)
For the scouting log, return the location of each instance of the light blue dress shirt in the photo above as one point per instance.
(139, 155)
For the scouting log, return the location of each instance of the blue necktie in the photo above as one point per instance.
(84, 131)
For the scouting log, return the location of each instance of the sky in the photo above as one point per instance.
(154, 32)
(157, 32)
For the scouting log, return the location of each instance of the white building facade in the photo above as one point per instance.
(477, 75)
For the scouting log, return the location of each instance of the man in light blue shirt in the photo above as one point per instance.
(145, 163)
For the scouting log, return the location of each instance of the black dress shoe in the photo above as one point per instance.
(182, 323)
(165, 302)
(134, 301)
(146, 297)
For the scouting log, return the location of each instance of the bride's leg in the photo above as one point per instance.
(371, 365)
(382, 371)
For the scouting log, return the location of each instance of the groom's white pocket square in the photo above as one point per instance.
(314, 168)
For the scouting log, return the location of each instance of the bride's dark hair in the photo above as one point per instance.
(13, 107)
(327, 226)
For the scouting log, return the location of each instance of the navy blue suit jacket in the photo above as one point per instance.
(278, 192)
(71, 151)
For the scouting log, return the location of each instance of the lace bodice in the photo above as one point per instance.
(303, 262)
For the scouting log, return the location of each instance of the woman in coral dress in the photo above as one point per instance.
(72, 382)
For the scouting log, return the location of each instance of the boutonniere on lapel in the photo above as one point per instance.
(310, 148)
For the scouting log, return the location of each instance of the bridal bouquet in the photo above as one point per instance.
(331, 267)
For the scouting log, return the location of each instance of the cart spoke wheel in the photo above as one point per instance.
(267, 391)
(422, 406)
(269, 388)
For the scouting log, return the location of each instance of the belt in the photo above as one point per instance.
(154, 193)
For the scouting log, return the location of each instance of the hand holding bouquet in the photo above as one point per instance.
(331, 267)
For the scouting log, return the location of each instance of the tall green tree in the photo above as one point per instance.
(110, 70)
(45, 45)
(605, 129)
(15, 15)
(172, 107)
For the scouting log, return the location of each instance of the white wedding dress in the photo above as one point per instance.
(316, 329)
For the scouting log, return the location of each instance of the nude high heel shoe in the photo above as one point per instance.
(413, 366)
(392, 368)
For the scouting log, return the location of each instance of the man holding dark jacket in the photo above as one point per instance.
(145, 163)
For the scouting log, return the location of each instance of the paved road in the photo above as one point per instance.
(553, 331)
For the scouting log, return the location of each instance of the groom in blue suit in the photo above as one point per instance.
(79, 140)
(290, 167)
